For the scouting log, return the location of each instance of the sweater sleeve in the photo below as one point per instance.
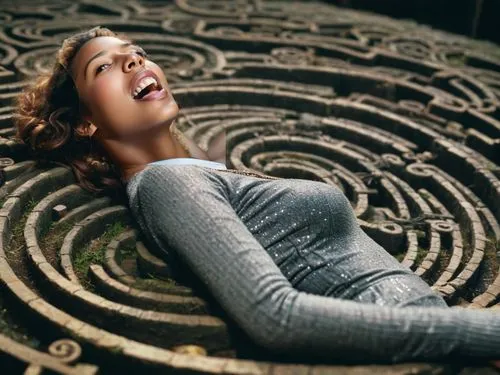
(182, 204)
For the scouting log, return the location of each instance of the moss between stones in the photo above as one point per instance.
(94, 253)
(421, 253)
(51, 243)
(15, 254)
(126, 252)
(18, 230)
(491, 247)
(150, 282)
(116, 350)
(489, 266)
(17, 246)
(400, 256)
(494, 242)
(467, 249)
(458, 60)
(154, 283)
(425, 195)
(420, 234)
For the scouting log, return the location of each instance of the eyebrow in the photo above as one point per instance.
(98, 54)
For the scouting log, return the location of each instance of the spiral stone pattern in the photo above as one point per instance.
(404, 119)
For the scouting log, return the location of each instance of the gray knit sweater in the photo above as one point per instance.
(286, 259)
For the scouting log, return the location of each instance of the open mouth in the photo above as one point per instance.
(145, 87)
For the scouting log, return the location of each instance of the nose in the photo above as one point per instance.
(132, 61)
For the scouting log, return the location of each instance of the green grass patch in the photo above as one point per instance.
(154, 283)
(400, 257)
(421, 253)
(425, 194)
(17, 243)
(125, 252)
(94, 253)
(457, 60)
(467, 248)
(16, 253)
(491, 246)
(52, 242)
(490, 262)
(30, 205)
(420, 234)
(495, 245)
(150, 282)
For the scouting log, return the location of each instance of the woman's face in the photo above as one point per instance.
(108, 72)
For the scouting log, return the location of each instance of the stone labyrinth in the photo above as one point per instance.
(404, 119)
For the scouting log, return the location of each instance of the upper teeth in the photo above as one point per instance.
(144, 83)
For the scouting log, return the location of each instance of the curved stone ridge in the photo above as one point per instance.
(405, 120)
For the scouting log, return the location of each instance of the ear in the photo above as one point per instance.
(86, 129)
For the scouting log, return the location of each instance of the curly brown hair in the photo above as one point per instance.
(48, 119)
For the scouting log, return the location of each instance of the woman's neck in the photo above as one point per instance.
(132, 156)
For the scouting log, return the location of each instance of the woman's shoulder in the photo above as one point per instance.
(167, 170)
(183, 179)
(191, 180)
(153, 175)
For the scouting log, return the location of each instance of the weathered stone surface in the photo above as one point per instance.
(404, 119)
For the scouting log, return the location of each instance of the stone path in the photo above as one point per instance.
(403, 118)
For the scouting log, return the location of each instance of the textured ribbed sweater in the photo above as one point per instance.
(286, 259)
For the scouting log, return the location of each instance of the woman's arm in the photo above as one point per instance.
(181, 204)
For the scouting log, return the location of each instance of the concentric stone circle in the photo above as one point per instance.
(405, 120)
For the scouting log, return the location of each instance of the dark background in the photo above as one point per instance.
(479, 19)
